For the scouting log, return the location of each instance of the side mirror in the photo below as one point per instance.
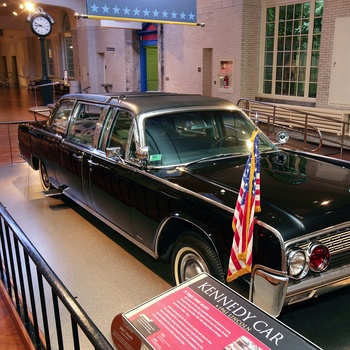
(142, 153)
(268, 289)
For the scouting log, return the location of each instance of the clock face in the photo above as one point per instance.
(41, 25)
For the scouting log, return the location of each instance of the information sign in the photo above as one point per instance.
(203, 313)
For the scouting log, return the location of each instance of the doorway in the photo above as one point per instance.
(152, 68)
(149, 57)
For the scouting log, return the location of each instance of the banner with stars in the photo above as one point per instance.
(154, 11)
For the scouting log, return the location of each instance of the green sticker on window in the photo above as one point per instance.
(155, 157)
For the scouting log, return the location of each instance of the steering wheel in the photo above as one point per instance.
(230, 138)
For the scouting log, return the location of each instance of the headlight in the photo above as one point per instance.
(319, 257)
(298, 263)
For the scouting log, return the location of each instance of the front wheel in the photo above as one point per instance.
(44, 177)
(192, 255)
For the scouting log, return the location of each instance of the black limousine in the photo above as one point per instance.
(164, 170)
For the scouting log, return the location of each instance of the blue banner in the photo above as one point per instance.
(162, 11)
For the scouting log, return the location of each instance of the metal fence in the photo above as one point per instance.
(315, 127)
(42, 302)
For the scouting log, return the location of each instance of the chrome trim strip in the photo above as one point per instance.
(282, 243)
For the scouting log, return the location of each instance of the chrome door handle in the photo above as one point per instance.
(77, 156)
(93, 163)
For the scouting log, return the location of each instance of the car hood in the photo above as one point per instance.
(303, 186)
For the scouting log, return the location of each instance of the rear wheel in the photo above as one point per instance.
(44, 177)
(192, 255)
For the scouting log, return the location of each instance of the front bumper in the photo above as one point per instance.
(318, 285)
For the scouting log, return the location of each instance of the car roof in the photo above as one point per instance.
(148, 102)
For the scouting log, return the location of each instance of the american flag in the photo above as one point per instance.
(248, 202)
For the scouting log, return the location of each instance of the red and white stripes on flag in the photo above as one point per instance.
(248, 202)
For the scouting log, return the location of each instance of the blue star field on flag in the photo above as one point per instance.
(145, 10)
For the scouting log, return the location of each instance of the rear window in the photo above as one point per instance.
(60, 118)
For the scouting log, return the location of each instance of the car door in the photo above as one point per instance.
(52, 136)
(81, 137)
(110, 177)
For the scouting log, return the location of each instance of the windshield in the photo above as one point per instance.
(182, 138)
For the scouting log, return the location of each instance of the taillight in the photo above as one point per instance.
(319, 257)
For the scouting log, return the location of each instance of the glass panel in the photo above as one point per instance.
(280, 44)
(297, 27)
(296, 43)
(286, 73)
(298, 10)
(301, 76)
(269, 44)
(317, 25)
(268, 73)
(303, 56)
(304, 42)
(69, 56)
(287, 58)
(290, 11)
(293, 90)
(319, 8)
(289, 27)
(280, 59)
(226, 74)
(313, 75)
(268, 59)
(306, 10)
(278, 88)
(301, 89)
(288, 44)
(120, 132)
(282, 13)
(59, 120)
(285, 89)
(295, 73)
(267, 87)
(305, 27)
(315, 58)
(270, 29)
(312, 90)
(316, 42)
(279, 73)
(281, 28)
(270, 14)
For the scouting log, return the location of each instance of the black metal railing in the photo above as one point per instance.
(42, 301)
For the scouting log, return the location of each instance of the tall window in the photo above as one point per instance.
(292, 49)
(49, 57)
(68, 47)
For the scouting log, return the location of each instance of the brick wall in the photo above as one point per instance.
(232, 32)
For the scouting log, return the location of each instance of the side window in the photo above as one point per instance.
(83, 125)
(120, 132)
(59, 120)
